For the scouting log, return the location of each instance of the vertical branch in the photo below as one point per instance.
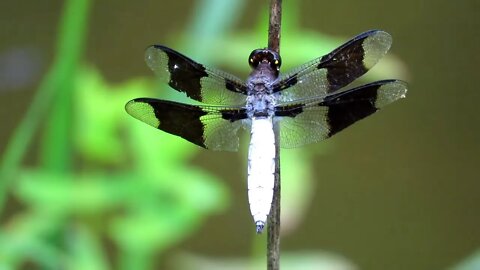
(273, 235)
(274, 25)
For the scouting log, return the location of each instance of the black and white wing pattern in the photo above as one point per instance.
(198, 82)
(313, 104)
(208, 125)
(335, 70)
(317, 119)
(211, 127)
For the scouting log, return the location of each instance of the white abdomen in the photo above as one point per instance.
(261, 168)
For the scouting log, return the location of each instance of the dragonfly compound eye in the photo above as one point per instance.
(265, 55)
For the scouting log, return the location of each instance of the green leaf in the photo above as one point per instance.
(182, 200)
(25, 238)
(85, 250)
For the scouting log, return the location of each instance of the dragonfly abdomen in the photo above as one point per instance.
(261, 168)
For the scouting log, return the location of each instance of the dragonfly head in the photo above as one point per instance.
(265, 56)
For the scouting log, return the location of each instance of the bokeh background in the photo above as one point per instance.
(85, 186)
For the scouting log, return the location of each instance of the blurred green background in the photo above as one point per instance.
(85, 186)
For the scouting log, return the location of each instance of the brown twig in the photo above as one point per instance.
(273, 235)
(274, 25)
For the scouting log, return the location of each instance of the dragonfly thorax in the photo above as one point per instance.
(260, 98)
(260, 105)
(261, 79)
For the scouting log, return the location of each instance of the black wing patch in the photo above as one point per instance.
(198, 82)
(211, 127)
(320, 118)
(335, 70)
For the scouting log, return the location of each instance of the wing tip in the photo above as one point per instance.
(391, 91)
(129, 104)
(154, 58)
(375, 44)
(143, 111)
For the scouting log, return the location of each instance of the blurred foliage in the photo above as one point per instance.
(106, 182)
(103, 178)
(139, 204)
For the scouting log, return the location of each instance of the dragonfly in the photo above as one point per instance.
(306, 105)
